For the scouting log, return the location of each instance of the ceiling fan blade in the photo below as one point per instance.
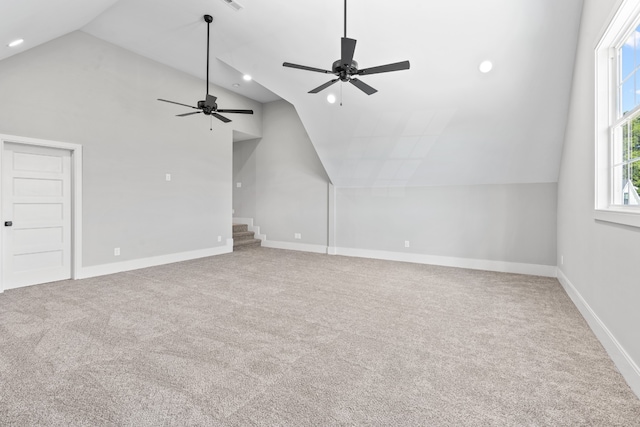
(348, 48)
(363, 86)
(188, 114)
(404, 65)
(323, 87)
(219, 117)
(304, 67)
(236, 111)
(177, 103)
(210, 101)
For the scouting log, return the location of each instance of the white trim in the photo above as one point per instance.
(620, 216)
(625, 364)
(136, 264)
(470, 263)
(76, 197)
(303, 247)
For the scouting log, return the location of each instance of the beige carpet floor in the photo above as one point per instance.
(267, 337)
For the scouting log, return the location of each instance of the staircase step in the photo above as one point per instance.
(248, 243)
(243, 235)
(239, 228)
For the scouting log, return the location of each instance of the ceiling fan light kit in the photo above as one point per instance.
(346, 69)
(208, 106)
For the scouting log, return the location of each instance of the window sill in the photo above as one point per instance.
(619, 216)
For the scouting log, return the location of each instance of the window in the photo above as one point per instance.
(618, 118)
(626, 131)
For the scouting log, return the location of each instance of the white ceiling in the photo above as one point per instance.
(440, 123)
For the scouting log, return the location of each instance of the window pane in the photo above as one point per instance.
(626, 60)
(633, 143)
(636, 90)
(620, 136)
(626, 184)
(634, 174)
(636, 46)
(627, 141)
(616, 183)
(627, 96)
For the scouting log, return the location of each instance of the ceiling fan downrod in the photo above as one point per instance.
(208, 19)
(345, 19)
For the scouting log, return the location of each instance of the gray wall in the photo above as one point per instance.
(513, 223)
(284, 185)
(244, 174)
(82, 90)
(284, 188)
(600, 259)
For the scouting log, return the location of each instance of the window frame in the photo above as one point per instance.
(607, 65)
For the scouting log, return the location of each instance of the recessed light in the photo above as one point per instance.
(236, 85)
(15, 43)
(247, 78)
(331, 98)
(485, 66)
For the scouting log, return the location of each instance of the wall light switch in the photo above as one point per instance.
(406, 243)
(116, 251)
(238, 184)
(219, 238)
(167, 177)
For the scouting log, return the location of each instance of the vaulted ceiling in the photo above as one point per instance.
(441, 122)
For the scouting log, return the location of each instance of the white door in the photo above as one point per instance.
(36, 215)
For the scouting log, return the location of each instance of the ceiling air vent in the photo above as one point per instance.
(234, 5)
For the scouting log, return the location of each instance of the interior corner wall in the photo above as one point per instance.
(284, 185)
(504, 224)
(600, 259)
(82, 90)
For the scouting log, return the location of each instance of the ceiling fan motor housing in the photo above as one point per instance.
(207, 109)
(342, 72)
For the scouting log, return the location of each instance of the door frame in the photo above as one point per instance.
(76, 194)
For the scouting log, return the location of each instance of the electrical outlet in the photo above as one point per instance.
(167, 177)
(297, 236)
(116, 251)
(238, 184)
(219, 238)
(406, 243)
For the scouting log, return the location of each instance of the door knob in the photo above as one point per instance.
(8, 223)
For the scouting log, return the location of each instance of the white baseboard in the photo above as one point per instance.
(303, 247)
(625, 364)
(473, 264)
(135, 264)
